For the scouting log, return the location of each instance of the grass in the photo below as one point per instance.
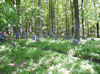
(50, 57)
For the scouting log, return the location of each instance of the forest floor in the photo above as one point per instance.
(50, 57)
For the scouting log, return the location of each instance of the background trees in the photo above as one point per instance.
(52, 17)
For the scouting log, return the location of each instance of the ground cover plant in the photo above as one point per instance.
(49, 37)
(50, 56)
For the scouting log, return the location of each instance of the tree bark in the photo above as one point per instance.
(49, 19)
(52, 15)
(40, 24)
(82, 10)
(66, 20)
(77, 24)
(72, 12)
(97, 30)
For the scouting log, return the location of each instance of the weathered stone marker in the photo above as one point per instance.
(33, 37)
(84, 37)
(56, 38)
(75, 42)
(37, 39)
(13, 44)
(2, 36)
(70, 37)
(17, 35)
(92, 39)
(25, 35)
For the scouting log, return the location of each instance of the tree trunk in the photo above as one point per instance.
(52, 15)
(49, 18)
(97, 30)
(72, 13)
(82, 9)
(40, 25)
(66, 20)
(77, 24)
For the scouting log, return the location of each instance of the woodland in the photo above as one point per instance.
(49, 37)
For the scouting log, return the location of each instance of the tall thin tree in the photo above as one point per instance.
(77, 24)
(49, 19)
(40, 24)
(66, 18)
(82, 11)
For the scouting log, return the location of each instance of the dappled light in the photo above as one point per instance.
(49, 37)
(31, 56)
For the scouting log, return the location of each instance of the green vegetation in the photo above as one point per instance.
(50, 56)
(49, 37)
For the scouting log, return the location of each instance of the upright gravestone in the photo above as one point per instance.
(13, 44)
(26, 36)
(37, 39)
(2, 36)
(70, 37)
(17, 35)
(92, 39)
(75, 42)
(84, 37)
(33, 37)
(56, 38)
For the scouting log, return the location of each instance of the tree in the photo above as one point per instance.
(82, 10)
(49, 19)
(66, 19)
(97, 24)
(72, 16)
(77, 24)
(40, 24)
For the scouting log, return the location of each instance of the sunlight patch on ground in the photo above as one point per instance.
(87, 67)
(2, 48)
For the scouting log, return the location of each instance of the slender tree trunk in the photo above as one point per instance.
(18, 12)
(72, 12)
(49, 18)
(97, 30)
(82, 8)
(77, 24)
(40, 24)
(97, 24)
(52, 15)
(66, 20)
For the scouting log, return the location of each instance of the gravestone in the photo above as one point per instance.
(56, 38)
(37, 39)
(75, 42)
(25, 35)
(33, 37)
(17, 35)
(92, 39)
(2, 36)
(84, 37)
(13, 44)
(70, 37)
(44, 35)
